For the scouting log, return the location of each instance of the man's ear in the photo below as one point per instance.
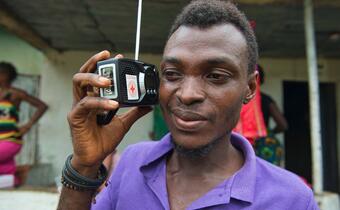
(252, 85)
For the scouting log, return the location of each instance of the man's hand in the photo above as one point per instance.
(92, 142)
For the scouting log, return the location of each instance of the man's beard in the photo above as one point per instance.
(196, 152)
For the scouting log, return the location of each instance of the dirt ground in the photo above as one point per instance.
(29, 198)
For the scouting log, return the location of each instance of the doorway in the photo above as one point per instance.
(29, 152)
(298, 139)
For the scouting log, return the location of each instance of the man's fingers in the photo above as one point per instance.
(94, 80)
(119, 56)
(85, 77)
(91, 64)
(89, 105)
(92, 91)
(133, 115)
(81, 81)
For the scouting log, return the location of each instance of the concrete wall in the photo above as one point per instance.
(27, 59)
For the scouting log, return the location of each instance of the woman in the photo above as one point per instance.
(269, 147)
(10, 133)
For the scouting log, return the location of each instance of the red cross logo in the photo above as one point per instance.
(132, 88)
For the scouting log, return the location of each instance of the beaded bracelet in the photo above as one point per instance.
(72, 179)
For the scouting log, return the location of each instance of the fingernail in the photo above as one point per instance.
(104, 79)
(105, 51)
(113, 103)
(119, 56)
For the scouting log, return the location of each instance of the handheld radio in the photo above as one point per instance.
(134, 83)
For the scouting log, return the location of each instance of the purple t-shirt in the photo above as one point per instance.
(139, 182)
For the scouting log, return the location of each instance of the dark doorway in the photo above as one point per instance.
(297, 138)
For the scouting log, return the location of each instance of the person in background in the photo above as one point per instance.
(269, 147)
(10, 132)
(270, 109)
(251, 123)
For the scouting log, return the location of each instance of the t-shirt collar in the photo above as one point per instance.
(242, 183)
(158, 151)
(243, 187)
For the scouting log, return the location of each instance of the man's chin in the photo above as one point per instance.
(193, 151)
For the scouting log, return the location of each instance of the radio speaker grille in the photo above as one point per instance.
(127, 68)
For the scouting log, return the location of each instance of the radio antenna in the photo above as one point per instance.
(139, 17)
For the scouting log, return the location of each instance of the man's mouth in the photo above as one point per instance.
(186, 120)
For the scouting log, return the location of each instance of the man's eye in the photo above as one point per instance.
(218, 77)
(171, 75)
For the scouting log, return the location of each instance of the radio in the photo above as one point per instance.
(134, 83)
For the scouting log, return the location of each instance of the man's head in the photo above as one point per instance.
(205, 14)
(206, 73)
(8, 73)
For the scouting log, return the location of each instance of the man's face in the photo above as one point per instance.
(203, 84)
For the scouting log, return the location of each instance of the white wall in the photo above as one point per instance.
(27, 59)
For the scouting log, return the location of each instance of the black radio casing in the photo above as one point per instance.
(134, 83)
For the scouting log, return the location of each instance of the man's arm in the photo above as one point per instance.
(93, 142)
(72, 199)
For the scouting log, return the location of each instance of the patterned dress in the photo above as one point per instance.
(10, 139)
(8, 121)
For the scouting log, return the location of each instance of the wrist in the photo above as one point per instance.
(74, 180)
(85, 170)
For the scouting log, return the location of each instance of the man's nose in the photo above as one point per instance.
(191, 91)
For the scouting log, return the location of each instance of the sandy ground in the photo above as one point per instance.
(28, 200)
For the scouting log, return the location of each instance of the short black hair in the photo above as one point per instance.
(9, 69)
(204, 14)
(261, 73)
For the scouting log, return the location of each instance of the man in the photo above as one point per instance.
(207, 73)
(10, 132)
